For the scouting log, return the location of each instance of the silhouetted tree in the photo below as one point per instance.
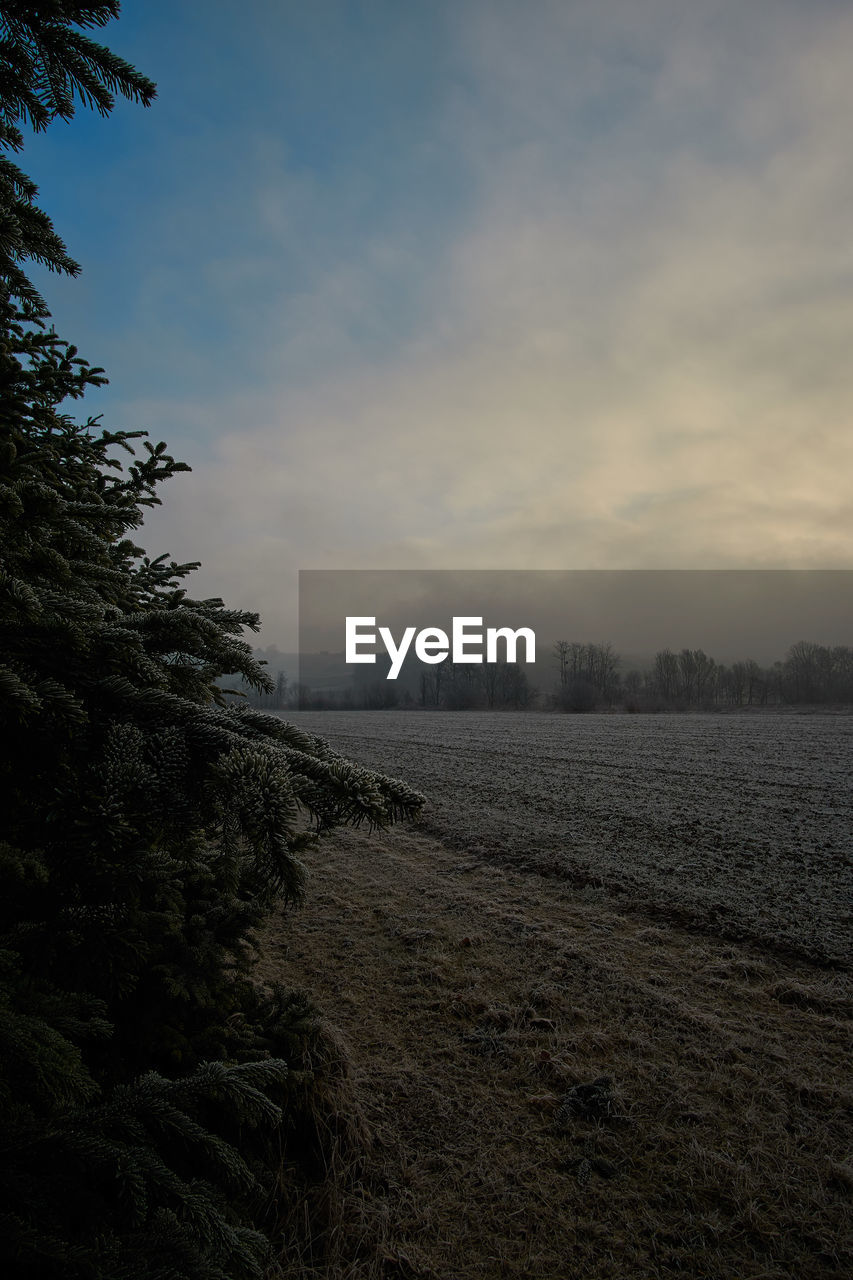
(147, 1086)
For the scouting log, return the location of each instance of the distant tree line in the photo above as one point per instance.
(811, 674)
(690, 680)
(589, 678)
(449, 686)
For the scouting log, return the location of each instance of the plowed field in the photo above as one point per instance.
(739, 825)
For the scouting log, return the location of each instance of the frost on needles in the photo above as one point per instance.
(152, 1096)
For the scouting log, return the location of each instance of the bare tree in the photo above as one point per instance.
(561, 652)
(666, 675)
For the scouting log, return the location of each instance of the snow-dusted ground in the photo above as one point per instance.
(741, 823)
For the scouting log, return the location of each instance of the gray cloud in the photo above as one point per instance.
(633, 347)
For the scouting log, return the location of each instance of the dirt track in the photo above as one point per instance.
(555, 1089)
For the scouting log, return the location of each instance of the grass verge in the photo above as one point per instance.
(542, 1087)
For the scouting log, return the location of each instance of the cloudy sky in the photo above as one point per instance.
(473, 283)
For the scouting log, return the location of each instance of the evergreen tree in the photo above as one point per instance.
(147, 1085)
(46, 61)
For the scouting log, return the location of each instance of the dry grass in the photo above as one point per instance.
(552, 1089)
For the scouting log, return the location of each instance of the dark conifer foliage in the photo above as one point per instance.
(47, 64)
(147, 826)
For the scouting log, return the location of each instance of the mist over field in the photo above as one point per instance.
(731, 614)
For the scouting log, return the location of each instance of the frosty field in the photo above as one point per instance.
(738, 824)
